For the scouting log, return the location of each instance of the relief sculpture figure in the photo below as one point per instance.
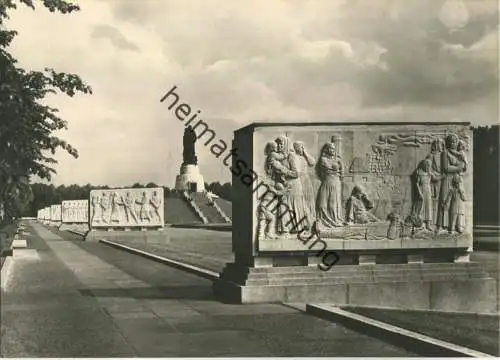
(451, 165)
(155, 205)
(300, 196)
(454, 203)
(274, 162)
(434, 157)
(95, 209)
(358, 207)
(144, 212)
(266, 217)
(286, 220)
(115, 208)
(329, 199)
(421, 212)
(128, 204)
(104, 207)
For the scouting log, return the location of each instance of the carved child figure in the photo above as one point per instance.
(273, 164)
(454, 202)
(266, 218)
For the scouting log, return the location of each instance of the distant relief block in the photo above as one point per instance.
(55, 214)
(374, 194)
(116, 209)
(75, 211)
(19, 244)
(190, 179)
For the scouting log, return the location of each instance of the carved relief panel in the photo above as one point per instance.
(55, 212)
(75, 211)
(126, 208)
(361, 182)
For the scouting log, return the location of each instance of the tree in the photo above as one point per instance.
(26, 125)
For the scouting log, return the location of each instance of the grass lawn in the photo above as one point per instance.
(478, 332)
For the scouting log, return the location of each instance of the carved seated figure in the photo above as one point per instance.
(358, 206)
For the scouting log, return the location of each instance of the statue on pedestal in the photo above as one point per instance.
(189, 152)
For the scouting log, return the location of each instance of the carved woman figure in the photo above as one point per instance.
(115, 208)
(358, 207)
(300, 197)
(329, 199)
(422, 204)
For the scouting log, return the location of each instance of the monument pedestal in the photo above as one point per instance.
(461, 287)
(190, 179)
(81, 227)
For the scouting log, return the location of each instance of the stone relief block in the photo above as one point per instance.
(55, 212)
(75, 211)
(126, 208)
(357, 181)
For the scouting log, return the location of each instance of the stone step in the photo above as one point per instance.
(356, 280)
(354, 268)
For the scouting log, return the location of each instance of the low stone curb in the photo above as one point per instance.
(419, 343)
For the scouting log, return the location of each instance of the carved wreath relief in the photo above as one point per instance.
(436, 196)
(126, 207)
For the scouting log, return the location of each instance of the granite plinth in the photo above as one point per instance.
(80, 227)
(440, 286)
(189, 179)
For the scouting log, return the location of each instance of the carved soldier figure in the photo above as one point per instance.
(189, 151)
(451, 164)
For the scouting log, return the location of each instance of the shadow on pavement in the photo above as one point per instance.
(162, 292)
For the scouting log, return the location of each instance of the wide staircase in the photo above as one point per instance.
(207, 208)
(226, 206)
(178, 211)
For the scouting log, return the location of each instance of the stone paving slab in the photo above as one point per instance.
(111, 303)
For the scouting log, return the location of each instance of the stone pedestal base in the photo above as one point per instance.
(426, 286)
(81, 227)
(190, 179)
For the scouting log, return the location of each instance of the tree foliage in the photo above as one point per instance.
(27, 125)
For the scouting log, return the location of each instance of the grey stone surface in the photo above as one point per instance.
(63, 305)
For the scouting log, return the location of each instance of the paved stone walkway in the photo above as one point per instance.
(68, 298)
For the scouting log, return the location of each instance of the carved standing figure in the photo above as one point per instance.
(115, 208)
(454, 203)
(155, 203)
(300, 197)
(96, 216)
(434, 158)
(329, 199)
(189, 150)
(422, 204)
(104, 207)
(128, 204)
(274, 162)
(144, 212)
(451, 164)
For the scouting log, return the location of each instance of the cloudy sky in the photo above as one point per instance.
(253, 60)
